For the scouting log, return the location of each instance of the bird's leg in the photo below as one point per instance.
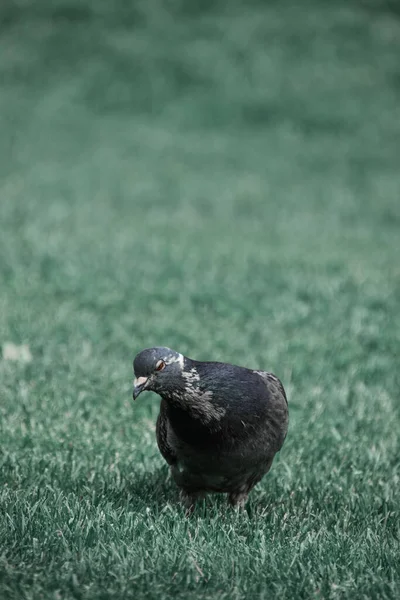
(238, 499)
(189, 500)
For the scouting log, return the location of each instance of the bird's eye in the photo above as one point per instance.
(160, 365)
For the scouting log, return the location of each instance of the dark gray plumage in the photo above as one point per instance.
(219, 426)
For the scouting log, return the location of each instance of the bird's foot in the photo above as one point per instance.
(238, 499)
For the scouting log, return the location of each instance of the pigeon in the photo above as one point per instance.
(219, 426)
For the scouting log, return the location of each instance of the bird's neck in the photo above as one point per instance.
(197, 406)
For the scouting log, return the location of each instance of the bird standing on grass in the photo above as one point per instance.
(219, 426)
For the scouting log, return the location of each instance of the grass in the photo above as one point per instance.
(224, 182)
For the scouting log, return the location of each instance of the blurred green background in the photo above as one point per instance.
(224, 179)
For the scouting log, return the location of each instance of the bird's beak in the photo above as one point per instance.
(138, 386)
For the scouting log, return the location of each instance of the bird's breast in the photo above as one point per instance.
(193, 431)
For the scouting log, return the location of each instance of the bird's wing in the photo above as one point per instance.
(274, 385)
(162, 428)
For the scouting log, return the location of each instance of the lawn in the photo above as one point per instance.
(224, 181)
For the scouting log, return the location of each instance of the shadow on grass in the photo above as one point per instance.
(157, 492)
(154, 489)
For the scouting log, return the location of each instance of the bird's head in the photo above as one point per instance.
(157, 369)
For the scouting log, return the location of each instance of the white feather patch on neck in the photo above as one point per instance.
(180, 359)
